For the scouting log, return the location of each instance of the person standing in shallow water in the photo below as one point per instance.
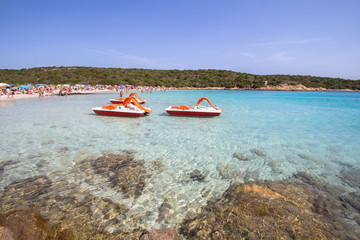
(41, 92)
(121, 93)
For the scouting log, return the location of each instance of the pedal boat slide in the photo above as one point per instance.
(121, 100)
(198, 110)
(129, 108)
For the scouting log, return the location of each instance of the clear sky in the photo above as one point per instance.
(297, 37)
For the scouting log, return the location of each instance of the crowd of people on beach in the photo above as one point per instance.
(11, 90)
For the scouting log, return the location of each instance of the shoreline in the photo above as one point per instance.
(5, 98)
(281, 87)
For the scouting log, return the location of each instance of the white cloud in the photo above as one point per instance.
(137, 60)
(250, 55)
(280, 57)
(286, 42)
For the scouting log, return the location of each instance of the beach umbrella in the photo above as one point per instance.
(23, 87)
(72, 85)
(12, 85)
(4, 85)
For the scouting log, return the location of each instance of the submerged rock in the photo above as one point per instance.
(306, 178)
(306, 157)
(130, 152)
(258, 152)
(334, 149)
(5, 164)
(125, 174)
(65, 202)
(48, 142)
(63, 150)
(271, 210)
(251, 175)
(6, 234)
(228, 171)
(42, 163)
(344, 164)
(29, 189)
(275, 166)
(351, 176)
(69, 206)
(196, 175)
(166, 210)
(160, 234)
(30, 225)
(353, 199)
(241, 156)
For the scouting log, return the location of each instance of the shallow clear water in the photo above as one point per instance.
(282, 133)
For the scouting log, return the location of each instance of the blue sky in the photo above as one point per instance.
(308, 37)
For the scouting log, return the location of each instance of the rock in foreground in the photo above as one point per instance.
(271, 210)
(161, 234)
(30, 225)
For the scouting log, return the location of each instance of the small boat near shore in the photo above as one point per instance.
(198, 110)
(121, 100)
(129, 108)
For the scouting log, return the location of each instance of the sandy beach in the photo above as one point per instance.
(282, 87)
(5, 98)
(21, 96)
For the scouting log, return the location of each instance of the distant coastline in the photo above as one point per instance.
(178, 79)
(281, 87)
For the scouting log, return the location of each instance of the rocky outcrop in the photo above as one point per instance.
(64, 201)
(6, 234)
(275, 210)
(287, 87)
(30, 225)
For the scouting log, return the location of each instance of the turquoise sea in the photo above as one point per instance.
(277, 134)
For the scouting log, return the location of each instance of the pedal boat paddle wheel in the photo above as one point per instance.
(121, 100)
(198, 110)
(129, 108)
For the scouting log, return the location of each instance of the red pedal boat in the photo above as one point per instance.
(198, 110)
(121, 100)
(129, 108)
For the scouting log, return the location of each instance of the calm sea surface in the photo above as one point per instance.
(281, 133)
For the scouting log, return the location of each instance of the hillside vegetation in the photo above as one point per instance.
(168, 78)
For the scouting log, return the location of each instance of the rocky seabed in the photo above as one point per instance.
(93, 201)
